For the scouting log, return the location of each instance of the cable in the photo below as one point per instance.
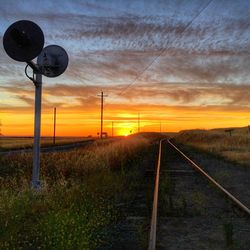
(162, 51)
(32, 79)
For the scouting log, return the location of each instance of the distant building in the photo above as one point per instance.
(104, 135)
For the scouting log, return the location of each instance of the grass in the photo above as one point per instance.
(235, 148)
(228, 230)
(8, 143)
(77, 205)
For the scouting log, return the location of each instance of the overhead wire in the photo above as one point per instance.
(163, 50)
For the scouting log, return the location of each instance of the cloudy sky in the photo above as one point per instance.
(180, 64)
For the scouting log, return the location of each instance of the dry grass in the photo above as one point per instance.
(234, 148)
(7, 143)
(76, 207)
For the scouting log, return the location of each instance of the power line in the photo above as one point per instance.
(162, 51)
(156, 58)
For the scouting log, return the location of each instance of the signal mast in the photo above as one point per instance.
(23, 41)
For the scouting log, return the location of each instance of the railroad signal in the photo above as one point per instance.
(52, 61)
(23, 41)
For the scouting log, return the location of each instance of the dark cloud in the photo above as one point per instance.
(210, 67)
(161, 94)
(27, 99)
(114, 42)
(173, 65)
(191, 94)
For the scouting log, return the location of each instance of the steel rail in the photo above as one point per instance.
(228, 194)
(153, 224)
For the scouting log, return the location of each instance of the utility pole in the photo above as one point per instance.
(138, 122)
(112, 129)
(54, 137)
(102, 95)
(160, 126)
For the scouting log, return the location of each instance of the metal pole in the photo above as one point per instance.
(54, 136)
(101, 112)
(112, 129)
(35, 183)
(138, 122)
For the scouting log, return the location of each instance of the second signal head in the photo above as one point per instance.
(52, 61)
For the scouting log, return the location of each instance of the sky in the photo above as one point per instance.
(176, 64)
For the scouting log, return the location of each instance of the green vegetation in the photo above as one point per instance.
(235, 148)
(170, 204)
(228, 230)
(77, 205)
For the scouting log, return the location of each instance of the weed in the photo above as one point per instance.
(77, 204)
(235, 148)
(228, 230)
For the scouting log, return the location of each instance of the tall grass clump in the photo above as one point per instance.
(77, 205)
(234, 148)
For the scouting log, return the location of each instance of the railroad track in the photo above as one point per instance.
(191, 210)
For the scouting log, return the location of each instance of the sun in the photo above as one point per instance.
(126, 134)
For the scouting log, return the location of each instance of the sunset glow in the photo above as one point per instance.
(202, 80)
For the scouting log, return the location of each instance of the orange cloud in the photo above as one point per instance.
(175, 106)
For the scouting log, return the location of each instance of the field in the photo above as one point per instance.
(234, 147)
(87, 192)
(79, 204)
(8, 143)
